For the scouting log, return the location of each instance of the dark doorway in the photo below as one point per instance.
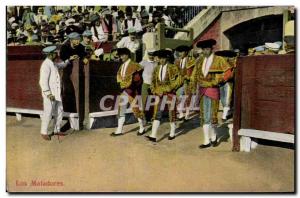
(255, 32)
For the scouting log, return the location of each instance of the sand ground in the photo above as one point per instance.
(93, 161)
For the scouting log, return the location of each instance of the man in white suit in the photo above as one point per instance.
(50, 84)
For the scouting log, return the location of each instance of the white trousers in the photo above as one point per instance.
(51, 108)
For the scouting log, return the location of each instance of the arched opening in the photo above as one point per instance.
(255, 32)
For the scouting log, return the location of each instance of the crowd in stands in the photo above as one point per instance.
(32, 25)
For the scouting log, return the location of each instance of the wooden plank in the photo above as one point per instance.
(37, 112)
(283, 77)
(86, 95)
(107, 113)
(268, 135)
(275, 93)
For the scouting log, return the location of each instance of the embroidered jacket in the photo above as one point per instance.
(172, 81)
(218, 72)
(132, 75)
(186, 72)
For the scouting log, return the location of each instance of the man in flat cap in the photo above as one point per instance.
(165, 81)
(226, 88)
(72, 49)
(148, 65)
(130, 42)
(186, 65)
(209, 72)
(40, 16)
(87, 42)
(50, 84)
(129, 77)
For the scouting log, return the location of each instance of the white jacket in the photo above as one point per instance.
(133, 46)
(50, 82)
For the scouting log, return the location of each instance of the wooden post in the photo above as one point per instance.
(161, 36)
(76, 84)
(87, 123)
(237, 106)
(285, 18)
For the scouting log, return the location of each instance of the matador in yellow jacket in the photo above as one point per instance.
(129, 77)
(184, 93)
(166, 80)
(209, 72)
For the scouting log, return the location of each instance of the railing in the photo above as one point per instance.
(188, 14)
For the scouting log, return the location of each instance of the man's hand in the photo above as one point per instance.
(73, 57)
(51, 97)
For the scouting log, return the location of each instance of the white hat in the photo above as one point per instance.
(70, 21)
(272, 46)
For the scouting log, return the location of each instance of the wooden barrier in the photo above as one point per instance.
(22, 77)
(82, 86)
(23, 93)
(264, 97)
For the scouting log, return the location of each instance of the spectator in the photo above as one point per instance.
(87, 42)
(145, 21)
(72, 49)
(109, 24)
(97, 29)
(48, 11)
(130, 41)
(130, 22)
(71, 27)
(53, 36)
(28, 16)
(120, 20)
(114, 11)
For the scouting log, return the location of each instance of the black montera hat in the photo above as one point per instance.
(183, 48)
(164, 54)
(122, 51)
(206, 43)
